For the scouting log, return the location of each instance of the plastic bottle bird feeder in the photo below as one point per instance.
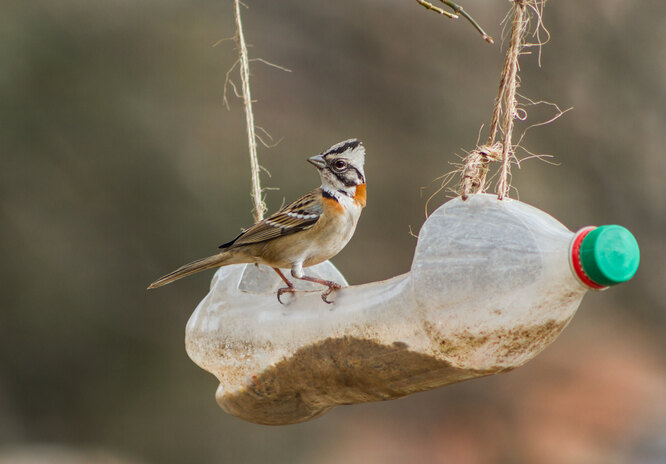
(491, 285)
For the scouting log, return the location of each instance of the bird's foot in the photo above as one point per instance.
(283, 290)
(288, 289)
(332, 286)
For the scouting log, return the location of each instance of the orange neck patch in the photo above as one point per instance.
(360, 195)
(333, 203)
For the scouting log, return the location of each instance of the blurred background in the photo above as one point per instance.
(119, 162)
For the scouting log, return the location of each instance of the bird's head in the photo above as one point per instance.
(341, 166)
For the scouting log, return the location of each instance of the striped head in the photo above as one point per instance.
(341, 166)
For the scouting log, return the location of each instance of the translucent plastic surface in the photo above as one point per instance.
(489, 288)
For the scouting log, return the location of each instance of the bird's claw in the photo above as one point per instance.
(284, 290)
(331, 287)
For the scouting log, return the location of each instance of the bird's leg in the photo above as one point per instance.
(329, 283)
(297, 272)
(288, 289)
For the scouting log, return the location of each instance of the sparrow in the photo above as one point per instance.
(306, 232)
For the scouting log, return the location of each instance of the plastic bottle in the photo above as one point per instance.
(492, 284)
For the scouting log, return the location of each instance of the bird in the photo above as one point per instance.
(303, 233)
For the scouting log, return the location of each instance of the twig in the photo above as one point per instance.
(431, 7)
(458, 10)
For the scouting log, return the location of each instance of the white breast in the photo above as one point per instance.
(336, 234)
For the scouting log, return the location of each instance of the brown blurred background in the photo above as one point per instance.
(119, 162)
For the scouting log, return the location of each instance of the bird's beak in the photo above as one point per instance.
(318, 161)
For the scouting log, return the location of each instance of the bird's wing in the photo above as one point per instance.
(299, 215)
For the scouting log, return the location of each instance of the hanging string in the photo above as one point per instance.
(259, 205)
(507, 95)
(476, 164)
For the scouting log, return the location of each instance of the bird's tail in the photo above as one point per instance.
(217, 260)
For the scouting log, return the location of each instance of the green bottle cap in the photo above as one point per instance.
(610, 255)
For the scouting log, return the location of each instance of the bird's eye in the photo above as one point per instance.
(340, 164)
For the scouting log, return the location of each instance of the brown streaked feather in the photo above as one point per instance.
(217, 260)
(299, 215)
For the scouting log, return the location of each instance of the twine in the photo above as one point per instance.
(259, 204)
(475, 170)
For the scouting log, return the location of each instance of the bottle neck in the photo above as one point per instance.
(576, 261)
(604, 256)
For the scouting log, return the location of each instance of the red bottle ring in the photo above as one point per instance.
(576, 263)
